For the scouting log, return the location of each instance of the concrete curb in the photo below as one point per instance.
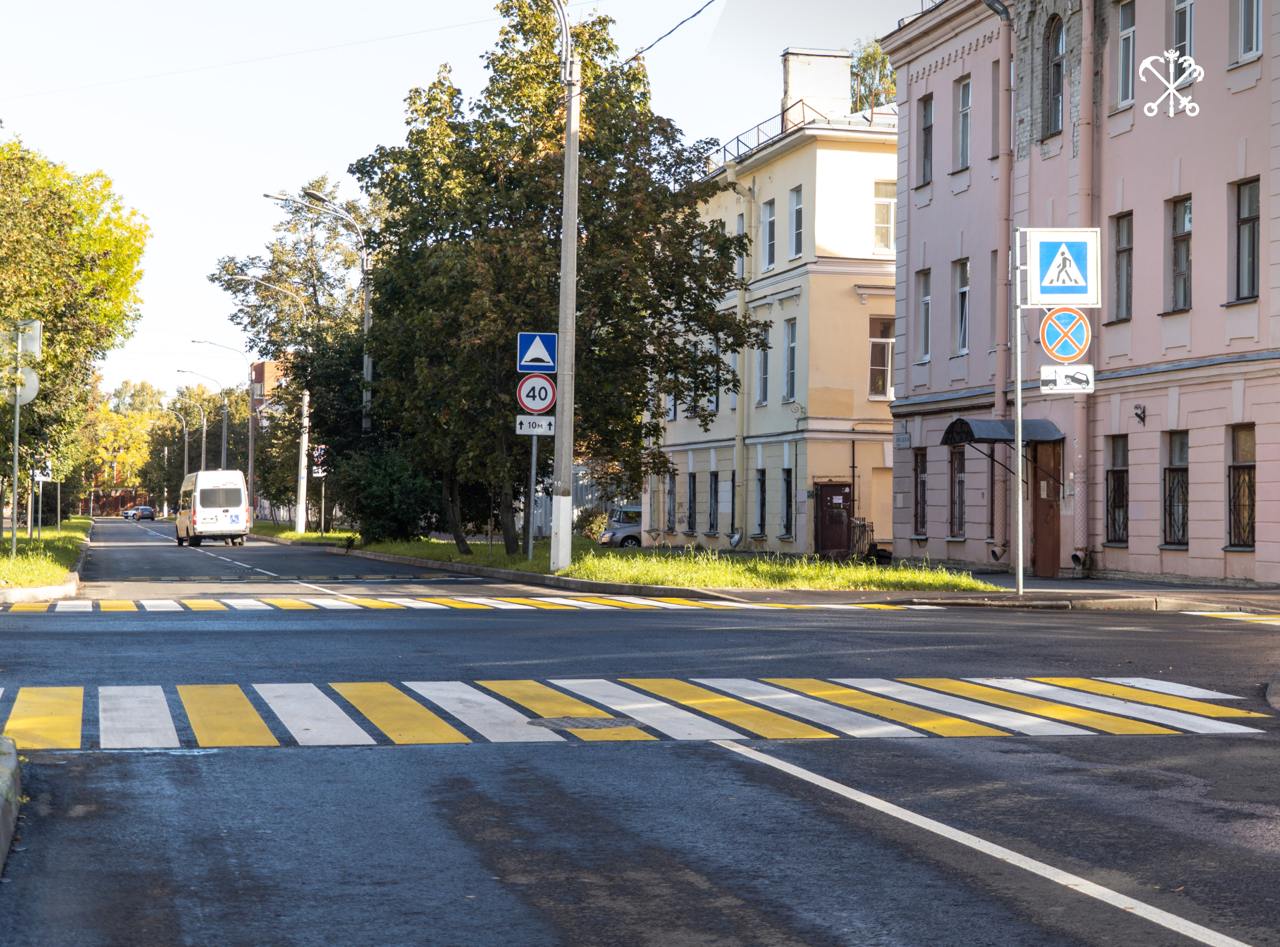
(10, 795)
(49, 593)
(290, 542)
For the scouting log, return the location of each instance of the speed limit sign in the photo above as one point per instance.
(536, 393)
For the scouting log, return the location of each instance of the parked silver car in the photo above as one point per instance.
(623, 529)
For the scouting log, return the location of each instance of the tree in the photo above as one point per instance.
(874, 83)
(137, 396)
(469, 253)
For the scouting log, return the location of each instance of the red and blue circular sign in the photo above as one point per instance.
(1065, 335)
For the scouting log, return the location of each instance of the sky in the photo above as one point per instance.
(195, 111)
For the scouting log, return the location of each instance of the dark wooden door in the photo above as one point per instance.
(1046, 508)
(835, 505)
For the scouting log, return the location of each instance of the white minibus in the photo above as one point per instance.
(213, 504)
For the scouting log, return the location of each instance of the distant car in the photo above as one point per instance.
(129, 514)
(623, 529)
(144, 513)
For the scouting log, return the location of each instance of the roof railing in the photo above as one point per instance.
(796, 115)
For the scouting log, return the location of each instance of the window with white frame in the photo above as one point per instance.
(768, 234)
(1055, 57)
(1249, 31)
(1122, 231)
(797, 221)
(1180, 254)
(963, 123)
(881, 380)
(960, 274)
(789, 382)
(1247, 218)
(740, 262)
(886, 202)
(1126, 51)
(926, 140)
(762, 375)
(924, 314)
(1184, 27)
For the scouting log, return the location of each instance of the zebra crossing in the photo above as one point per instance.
(563, 603)
(589, 710)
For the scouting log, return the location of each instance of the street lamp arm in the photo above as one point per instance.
(566, 39)
(247, 360)
(294, 294)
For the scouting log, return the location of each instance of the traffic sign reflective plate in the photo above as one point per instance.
(1065, 335)
(1066, 379)
(533, 424)
(536, 352)
(536, 393)
(1063, 267)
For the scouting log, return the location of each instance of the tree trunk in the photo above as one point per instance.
(453, 512)
(507, 517)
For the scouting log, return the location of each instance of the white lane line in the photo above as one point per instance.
(133, 718)
(926, 608)
(846, 721)
(1064, 695)
(674, 722)
(492, 602)
(332, 603)
(996, 716)
(1169, 687)
(160, 605)
(243, 565)
(413, 603)
(73, 606)
(491, 718)
(578, 603)
(1084, 886)
(312, 718)
(247, 604)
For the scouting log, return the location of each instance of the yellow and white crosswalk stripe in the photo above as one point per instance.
(365, 713)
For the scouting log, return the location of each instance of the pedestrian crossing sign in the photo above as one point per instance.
(1063, 267)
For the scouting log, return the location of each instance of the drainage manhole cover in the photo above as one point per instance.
(583, 723)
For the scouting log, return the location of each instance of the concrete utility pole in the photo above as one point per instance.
(300, 510)
(562, 484)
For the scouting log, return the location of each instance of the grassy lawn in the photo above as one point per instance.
(286, 531)
(44, 561)
(482, 554)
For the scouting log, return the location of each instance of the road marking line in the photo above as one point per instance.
(397, 714)
(333, 603)
(543, 603)
(246, 604)
(578, 603)
(75, 605)
(1076, 883)
(289, 604)
(371, 602)
(1173, 718)
(615, 602)
(674, 722)
(755, 720)
(221, 715)
(650, 602)
(414, 603)
(1107, 723)
(928, 720)
(46, 718)
(693, 602)
(312, 718)
(1170, 687)
(134, 718)
(1121, 692)
(494, 603)
(836, 718)
(29, 607)
(1007, 719)
(116, 605)
(547, 702)
(455, 603)
(491, 718)
(160, 605)
(204, 605)
(926, 608)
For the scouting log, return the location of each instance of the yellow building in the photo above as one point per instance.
(803, 453)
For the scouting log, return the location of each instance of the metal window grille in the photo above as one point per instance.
(691, 523)
(713, 501)
(761, 483)
(671, 502)
(1117, 503)
(957, 492)
(788, 502)
(920, 518)
(1175, 506)
(1241, 481)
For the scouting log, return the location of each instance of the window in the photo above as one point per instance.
(1181, 254)
(761, 484)
(995, 108)
(1126, 50)
(1118, 489)
(1055, 54)
(733, 499)
(713, 502)
(955, 524)
(1183, 26)
(671, 501)
(880, 384)
(691, 523)
(1250, 15)
(768, 232)
(1122, 236)
(886, 203)
(789, 382)
(1175, 489)
(1241, 478)
(964, 118)
(924, 313)
(920, 481)
(740, 262)
(221, 497)
(926, 140)
(1247, 211)
(762, 375)
(797, 222)
(960, 271)
(788, 502)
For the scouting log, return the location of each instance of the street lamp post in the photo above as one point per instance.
(223, 391)
(204, 428)
(253, 489)
(186, 441)
(562, 487)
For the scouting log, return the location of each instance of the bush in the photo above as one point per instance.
(384, 495)
(591, 522)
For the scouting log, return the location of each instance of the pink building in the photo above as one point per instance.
(1154, 473)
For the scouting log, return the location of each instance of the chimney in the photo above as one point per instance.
(821, 78)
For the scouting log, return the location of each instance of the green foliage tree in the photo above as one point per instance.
(469, 254)
(873, 81)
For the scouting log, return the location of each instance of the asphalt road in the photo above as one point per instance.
(656, 842)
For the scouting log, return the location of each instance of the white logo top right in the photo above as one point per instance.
(1177, 74)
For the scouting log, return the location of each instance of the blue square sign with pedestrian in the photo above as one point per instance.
(536, 352)
(1063, 267)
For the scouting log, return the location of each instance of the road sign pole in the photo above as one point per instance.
(40, 511)
(1017, 415)
(533, 486)
(17, 360)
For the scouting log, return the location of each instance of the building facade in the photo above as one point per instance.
(1037, 119)
(799, 460)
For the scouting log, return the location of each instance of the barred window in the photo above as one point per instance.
(956, 522)
(920, 519)
(713, 501)
(691, 523)
(1175, 489)
(671, 502)
(1118, 489)
(788, 502)
(1241, 480)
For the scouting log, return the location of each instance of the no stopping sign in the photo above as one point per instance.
(536, 393)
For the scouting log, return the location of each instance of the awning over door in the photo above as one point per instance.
(998, 431)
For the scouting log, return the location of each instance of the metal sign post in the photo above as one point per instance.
(533, 486)
(1017, 412)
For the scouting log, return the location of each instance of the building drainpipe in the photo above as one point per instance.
(1080, 403)
(745, 374)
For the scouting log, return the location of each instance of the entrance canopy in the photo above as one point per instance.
(998, 431)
